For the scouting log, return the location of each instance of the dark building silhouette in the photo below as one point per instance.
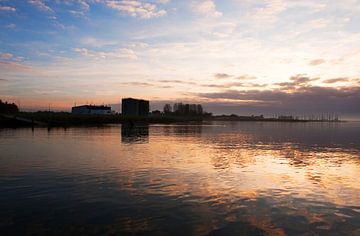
(91, 110)
(134, 107)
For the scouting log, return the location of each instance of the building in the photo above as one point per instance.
(134, 107)
(91, 110)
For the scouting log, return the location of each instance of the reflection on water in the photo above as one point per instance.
(218, 178)
(135, 133)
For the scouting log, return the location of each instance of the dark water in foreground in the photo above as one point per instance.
(236, 178)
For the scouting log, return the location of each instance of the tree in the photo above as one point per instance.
(167, 109)
(8, 108)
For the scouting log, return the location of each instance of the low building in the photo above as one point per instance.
(91, 110)
(134, 107)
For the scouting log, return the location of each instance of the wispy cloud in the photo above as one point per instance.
(206, 8)
(163, 1)
(302, 79)
(137, 8)
(41, 5)
(297, 81)
(314, 6)
(234, 84)
(82, 7)
(10, 26)
(317, 62)
(6, 55)
(222, 76)
(138, 84)
(228, 76)
(318, 23)
(146, 85)
(14, 67)
(271, 10)
(336, 80)
(121, 53)
(177, 82)
(246, 77)
(96, 42)
(7, 8)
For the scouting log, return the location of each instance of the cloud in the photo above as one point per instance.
(224, 29)
(136, 8)
(214, 85)
(286, 85)
(137, 84)
(303, 97)
(146, 85)
(227, 85)
(10, 26)
(302, 79)
(336, 80)
(121, 53)
(296, 82)
(318, 23)
(84, 5)
(314, 6)
(246, 77)
(222, 76)
(220, 86)
(252, 95)
(82, 8)
(240, 77)
(95, 42)
(138, 45)
(177, 82)
(7, 8)
(350, 55)
(41, 5)
(271, 10)
(165, 86)
(317, 62)
(308, 99)
(207, 8)
(6, 56)
(11, 66)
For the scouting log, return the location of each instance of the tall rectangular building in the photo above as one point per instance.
(134, 107)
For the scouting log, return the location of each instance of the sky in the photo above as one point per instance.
(233, 56)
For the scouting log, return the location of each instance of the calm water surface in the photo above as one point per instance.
(236, 178)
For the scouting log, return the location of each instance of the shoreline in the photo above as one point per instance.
(59, 119)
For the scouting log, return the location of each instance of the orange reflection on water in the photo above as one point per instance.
(223, 172)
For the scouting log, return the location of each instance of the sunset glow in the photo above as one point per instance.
(243, 57)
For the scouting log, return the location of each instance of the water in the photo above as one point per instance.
(238, 178)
